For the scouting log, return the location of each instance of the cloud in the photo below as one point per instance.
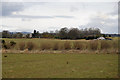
(39, 17)
(115, 12)
(15, 28)
(9, 7)
(43, 15)
(106, 22)
(64, 16)
(12, 9)
(6, 27)
(72, 9)
(25, 19)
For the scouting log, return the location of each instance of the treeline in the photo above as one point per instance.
(63, 33)
(75, 33)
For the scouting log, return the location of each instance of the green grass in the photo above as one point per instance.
(55, 65)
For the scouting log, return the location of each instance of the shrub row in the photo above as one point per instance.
(29, 45)
(66, 45)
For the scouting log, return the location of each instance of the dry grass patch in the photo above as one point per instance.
(45, 46)
(78, 45)
(67, 45)
(30, 45)
(55, 46)
(22, 45)
(106, 45)
(93, 45)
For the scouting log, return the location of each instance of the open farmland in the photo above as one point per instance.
(45, 39)
(60, 65)
(54, 58)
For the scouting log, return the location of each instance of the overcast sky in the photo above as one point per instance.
(51, 16)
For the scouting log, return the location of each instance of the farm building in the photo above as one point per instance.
(24, 35)
(101, 38)
(30, 35)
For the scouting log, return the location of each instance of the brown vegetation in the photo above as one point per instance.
(84, 46)
(45, 46)
(22, 45)
(93, 45)
(30, 45)
(55, 46)
(67, 45)
(79, 45)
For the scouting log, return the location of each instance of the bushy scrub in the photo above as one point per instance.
(8, 45)
(22, 45)
(30, 45)
(100, 46)
(106, 44)
(61, 45)
(45, 46)
(79, 45)
(12, 43)
(67, 45)
(3, 41)
(93, 45)
(55, 46)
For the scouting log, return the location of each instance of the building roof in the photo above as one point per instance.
(101, 38)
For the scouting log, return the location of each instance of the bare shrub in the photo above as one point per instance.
(55, 46)
(12, 43)
(105, 45)
(45, 46)
(93, 45)
(3, 41)
(78, 45)
(67, 45)
(30, 45)
(7, 46)
(22, 45)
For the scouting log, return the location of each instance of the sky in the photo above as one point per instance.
(51, 16)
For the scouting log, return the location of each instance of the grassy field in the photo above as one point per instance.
(60, 65)
(60, 58)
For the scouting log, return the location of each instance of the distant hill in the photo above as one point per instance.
(26, 32)
(21, 32)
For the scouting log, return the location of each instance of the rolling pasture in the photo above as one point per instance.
(54, 58)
